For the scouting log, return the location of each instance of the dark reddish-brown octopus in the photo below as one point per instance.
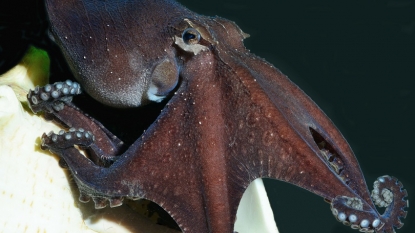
(230, 117)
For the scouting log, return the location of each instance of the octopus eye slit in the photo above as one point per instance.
(191, 36)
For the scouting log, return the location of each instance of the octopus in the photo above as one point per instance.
(228, 117)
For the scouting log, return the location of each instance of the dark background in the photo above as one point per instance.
(356, 59)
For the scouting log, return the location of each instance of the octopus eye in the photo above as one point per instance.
(191, 36)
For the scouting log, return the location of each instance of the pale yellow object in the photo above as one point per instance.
(32, 70)
(36, 195)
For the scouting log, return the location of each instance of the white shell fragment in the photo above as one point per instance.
(254, 212)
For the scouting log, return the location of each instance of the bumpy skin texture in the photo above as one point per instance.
(234, 118)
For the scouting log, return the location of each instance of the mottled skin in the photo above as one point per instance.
(233, 118)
